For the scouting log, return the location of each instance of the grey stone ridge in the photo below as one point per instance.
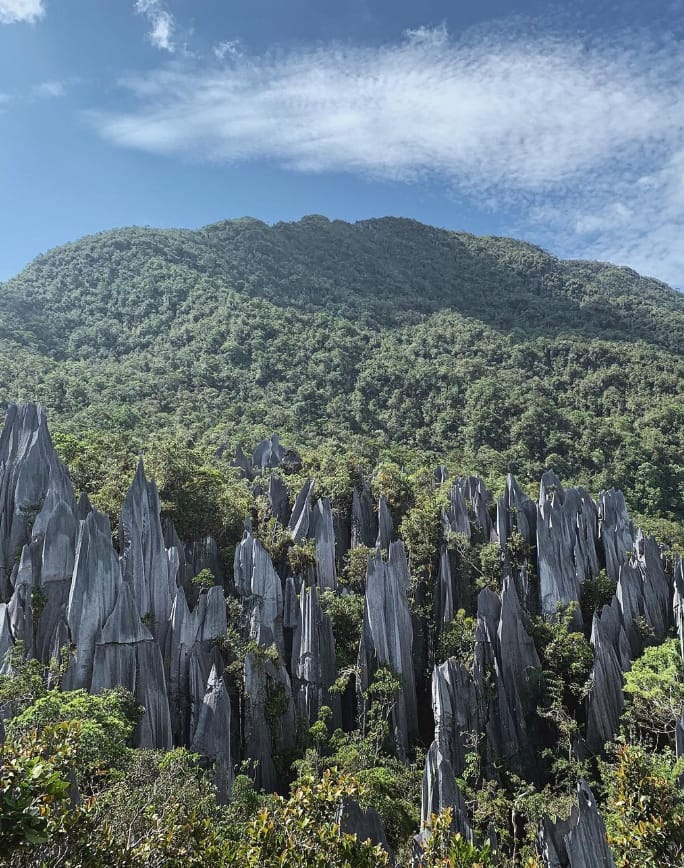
(578, 842)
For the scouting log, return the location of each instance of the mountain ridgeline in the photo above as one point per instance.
(378, 334)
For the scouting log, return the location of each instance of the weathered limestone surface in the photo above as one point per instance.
(441, 791)
(6, 639)
(269, 453)
(578, 842)
(558, 580)
(387, 636)
(266, 731)
(678, 602)
(94, 591)
(605, 701)
(616, 531)
(518, 659)
(364, 525)
(322, 531)
(496, 714)
(278, 499)
(630, 596)
(474, 490)
(127, 654)
(29, 467)
(189, 654)
(144, 559)
(445, 590)
(455, 515)
(301, 513)
(212, 738)
(516, 511)
(314, 667)
(385, 524)
(256, 579)
(456, 707)
(365, 824)
(243, 463)
(656, 586)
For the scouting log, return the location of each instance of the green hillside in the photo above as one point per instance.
(379, 334)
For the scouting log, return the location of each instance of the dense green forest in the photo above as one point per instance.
(381, 334)
(377, 351)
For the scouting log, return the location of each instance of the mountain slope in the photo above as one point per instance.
(485, 348)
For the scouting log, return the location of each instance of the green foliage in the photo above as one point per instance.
(644, 813)
(26, 681)
(346, 614)
(595, 594)
(446, 849)
(106, 723)
(567, 659)
(204, 580)
(355, 567)
(456, 639)
(210, 357)
(654, 692)
(421, 530)
(35, 784)
(302, 830)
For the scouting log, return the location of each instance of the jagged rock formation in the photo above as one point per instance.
(567, 529)
(440, 791)
(365, 824)
(456, 705)
(270, 719)
(278, 499)
(364, 524)
(578, 842)
(144, 562)
(212, 734)
(256, 579)
(515, 511)
(313, 666)
(605, 701)
(127, 654)
(323, 532)
(135, 618)
(615, 530)
(385, 525)
(678, 602)
(301, 513)
(387, 636)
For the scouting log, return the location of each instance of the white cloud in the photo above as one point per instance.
(587, 133)
(12, 11)
(227, 48)
(49, 89)
(161, 21)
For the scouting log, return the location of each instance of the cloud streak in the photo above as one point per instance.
(14, 11)
(162, 23)
(584, 140)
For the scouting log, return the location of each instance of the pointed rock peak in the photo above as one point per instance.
(385, 524)
(550, 489)
(84, 506)
(124, 626)
(489, 607)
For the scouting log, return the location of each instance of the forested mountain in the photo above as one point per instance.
(385, 333)
(363, 643)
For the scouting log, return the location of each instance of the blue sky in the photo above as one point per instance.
(563, 127)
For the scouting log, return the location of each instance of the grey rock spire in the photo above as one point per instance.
(578, 842)
(387, 636)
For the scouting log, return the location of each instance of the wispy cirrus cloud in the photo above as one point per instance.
(50, 89)
(13, 11)
(162, 23)
(583, 140)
